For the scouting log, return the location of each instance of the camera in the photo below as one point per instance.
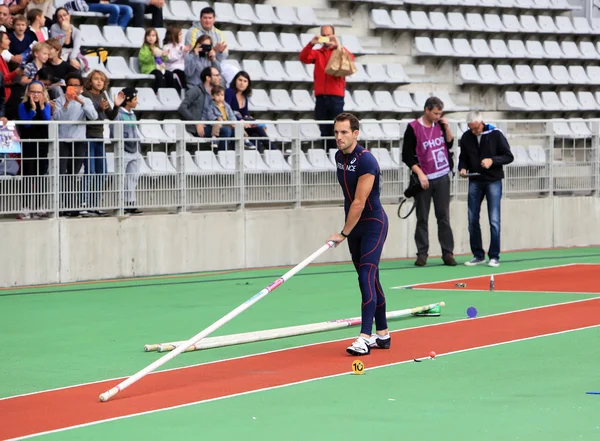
(324, 39)
(206, 48)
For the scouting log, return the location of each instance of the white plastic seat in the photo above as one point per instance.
(287, 14)
(384, 101)
(468, 74)
(449, 104)
(135, 36)
(593, 73)
(371, 131)
(475, 22)
(256, 71)
(529, 23)
(493, 23)
(405, 102)
(246, 12)
(309, 130)
(189, 166)
(560, 129)
(147, 100)
(570, 50)
(396, 73)
(512, 23)
(443, 47)
(115, 37)
(95, 64)
(319, 160)
(269, 42)
(570, 101)
(360, 76)
(91, 36)
(547, 25)
(401, 20)
(364, 100)
(289, 42)
(578, 75)
(587, 101)
(377, 73)
(352, 43)
(537, 155)
(169, 98)
(303, 100)
(227, 159)
(304, 164)
(480, 48)
(524, 74)
(457, 21)
(349, 103)
(582, 26)
(517, 49)
(248, 41)
(544, 76)
(424, 46)
(420, 20)
(226, 14)
(159, 163)
(512, 100)
(260, 101)
(499, 49)
(144, 169)
(383, 158)
(488, 75)
(580, 128)
(535, 49)
(306, 16)
(253, 162)
(180, 9)
(588, 50)
(554, 51)
(281, 100)
(275, 161)
(506, 74)
(552, 101)
(380, 19)
(564, 25)
(561, 74)
(438, 21)
(131, 71)
(296, 71)
(267, 12)
(462, 48)
(534, 101)
(392, 131)
(520, 155)
(275, 70)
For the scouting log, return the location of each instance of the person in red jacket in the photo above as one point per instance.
(329, 90)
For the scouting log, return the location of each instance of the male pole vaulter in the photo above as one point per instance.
(366, 229)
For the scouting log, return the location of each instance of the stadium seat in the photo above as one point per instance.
(493, 23)
(380, 19)
(401, 20)
(189, 166)
(560, 74)
(246, 12)
(512, 100)
(260, 101)
(248, 42)
(290, 42)
(457, 21)
(570, 50)
(534, 101)
(475, 22)
(512, 23)
(506, 74)
(319, 160)
(524, 74)
(169, 98)
(303, 100)
(281, 100)
(468, 74)
(397, 74)
(578, 75)
(270, 42)
(275, 160)
(296, 71)
(488, 75)
(256, 71)
(420, 20)
(226, 14)
(275, 70)
(159, 163)
(480, 48)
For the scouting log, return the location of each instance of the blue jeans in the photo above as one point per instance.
(117, 14)
(95, 168)
(327, 107)
(492, 191)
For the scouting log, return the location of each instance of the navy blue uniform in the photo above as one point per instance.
(366, 240)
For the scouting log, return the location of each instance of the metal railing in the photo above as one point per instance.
(177, 171)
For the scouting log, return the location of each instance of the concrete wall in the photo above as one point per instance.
(67, 250)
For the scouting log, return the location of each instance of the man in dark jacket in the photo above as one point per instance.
(198, 98)
(484, 150)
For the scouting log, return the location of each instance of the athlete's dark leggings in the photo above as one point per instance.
(366, 244)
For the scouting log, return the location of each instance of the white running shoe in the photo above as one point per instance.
(475, 261)
(494, 262)
(359, 347)
(381, 343)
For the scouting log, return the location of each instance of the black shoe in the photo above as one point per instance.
(449, 260)
(421, 261)
(133, 211)
(376, 342)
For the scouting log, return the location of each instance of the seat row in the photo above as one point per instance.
(504, 74)
(549, 101)
(474, 22)
(512, 49)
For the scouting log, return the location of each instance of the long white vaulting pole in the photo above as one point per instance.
(216, 325)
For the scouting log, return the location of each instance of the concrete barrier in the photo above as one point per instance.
(68, 250)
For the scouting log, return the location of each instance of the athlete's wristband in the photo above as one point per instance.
(342, 233)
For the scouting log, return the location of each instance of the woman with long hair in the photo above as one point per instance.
(237, 96)
(34, 153)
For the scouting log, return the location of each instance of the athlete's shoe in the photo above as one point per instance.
(436, 311)
(475, 261)
(359, 347)
(381, 343)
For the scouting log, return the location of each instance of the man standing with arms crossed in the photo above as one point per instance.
(484, 150)
(426, 151)
(329, 90)
(365, 228)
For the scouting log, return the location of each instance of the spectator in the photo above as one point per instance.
(95, 87)
(118, 15)
(6, 19)
(57, 69)
(131, 146)
(40, 52)
(142, 7)
(21, 39)
(206, 25)
(152, 61)
(16, 6)
(329, 90)
(176, 52)
(202, 56)
(237, 97)
(199, 98)
(36, 20)
(219, 110)
(426, 151)
(7, 75)
(484, 150)
(34, 153)
(72, 106)
(69, 36)
(47, 7)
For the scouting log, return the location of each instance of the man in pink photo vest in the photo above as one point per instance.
(426, 151)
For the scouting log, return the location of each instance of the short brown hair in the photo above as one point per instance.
(55, 44)
(354, 124)
(434, 102)
(19, 17)
(216, 90)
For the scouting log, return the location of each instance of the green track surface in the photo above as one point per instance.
(535, 390)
